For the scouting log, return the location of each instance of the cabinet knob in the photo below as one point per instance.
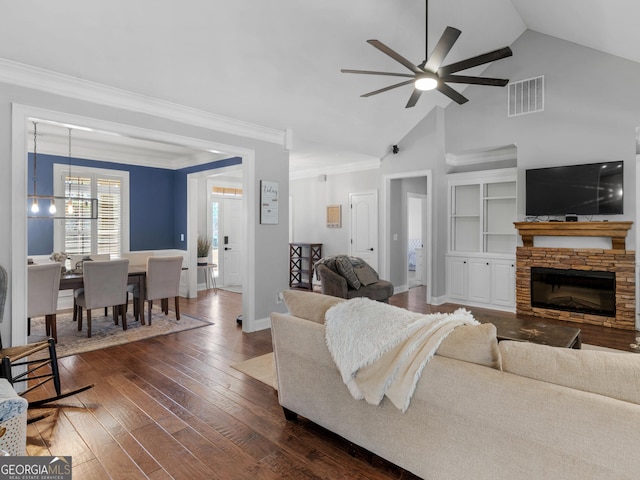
(371, 249)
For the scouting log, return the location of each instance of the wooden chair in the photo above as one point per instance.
(17, 368)
(105, 285)
(43, 285)
(163, 282)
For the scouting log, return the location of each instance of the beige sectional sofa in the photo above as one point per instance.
(481, 410)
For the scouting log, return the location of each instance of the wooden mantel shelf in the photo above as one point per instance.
(617, 231)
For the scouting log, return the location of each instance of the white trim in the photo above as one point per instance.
(18, 293)
(386, 225)
(27, 76)
(60, 169)
(473, 157)
(336, 169)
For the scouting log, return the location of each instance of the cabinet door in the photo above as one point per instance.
(457, 278)
(503, 282)
(479, 280)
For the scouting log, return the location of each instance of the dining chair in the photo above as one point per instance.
(162, 283)
(29, 364)
(43, 284)
(76, 261)
(105, 285)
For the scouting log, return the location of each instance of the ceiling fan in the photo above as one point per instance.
(430, 74)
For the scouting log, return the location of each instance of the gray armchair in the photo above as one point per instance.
(350, 277)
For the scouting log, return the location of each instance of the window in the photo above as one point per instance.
(109, 234)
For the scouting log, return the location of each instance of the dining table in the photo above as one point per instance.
(73, 279)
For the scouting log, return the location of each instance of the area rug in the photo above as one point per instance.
(104, 333)
(262, 368)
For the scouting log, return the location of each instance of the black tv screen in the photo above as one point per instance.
(589, 189)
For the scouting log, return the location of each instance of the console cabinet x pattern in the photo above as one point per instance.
(480, 263)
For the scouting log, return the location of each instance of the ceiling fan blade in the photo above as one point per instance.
(395, 55)
(451, 93)
(375, 92)
(413, 99)
(475, 61)
(369, 72)
(494, 82)
(443, 47)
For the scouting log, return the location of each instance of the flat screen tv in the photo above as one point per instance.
(589, 189)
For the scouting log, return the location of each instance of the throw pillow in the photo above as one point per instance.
(615, 375)
(346, 270)
(473, 343)
(366, 275)
(309, 305)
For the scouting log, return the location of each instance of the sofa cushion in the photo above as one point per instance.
(615, 375)
(472, 343)
(343, 264)
(366, 274)
(308, 305)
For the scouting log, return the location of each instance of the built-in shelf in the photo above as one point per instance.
(617, 231)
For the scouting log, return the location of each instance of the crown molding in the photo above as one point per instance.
(335, 170)
(36, 78)
(504, 153)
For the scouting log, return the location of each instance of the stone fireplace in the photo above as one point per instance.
(583, 274)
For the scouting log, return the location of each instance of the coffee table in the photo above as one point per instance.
(536, 332)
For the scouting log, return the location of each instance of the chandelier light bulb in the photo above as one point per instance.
(52, 207)
(426, 83)
(69, 207)
(34, 206)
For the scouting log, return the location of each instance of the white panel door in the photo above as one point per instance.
(364, 227)
(232, 241)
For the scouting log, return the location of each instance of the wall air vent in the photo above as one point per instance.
(526, 96)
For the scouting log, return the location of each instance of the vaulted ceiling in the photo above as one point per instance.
(277, 63)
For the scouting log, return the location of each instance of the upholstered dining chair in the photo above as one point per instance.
(43, 284)
(76, 262)
(163, 282)
(105, 285)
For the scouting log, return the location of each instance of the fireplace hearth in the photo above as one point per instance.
(591, 292)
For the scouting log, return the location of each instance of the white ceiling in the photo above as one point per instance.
(278, 63)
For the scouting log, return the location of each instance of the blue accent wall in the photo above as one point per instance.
(158, 202)
(180, 186)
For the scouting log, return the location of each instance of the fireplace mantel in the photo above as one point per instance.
(617, 231)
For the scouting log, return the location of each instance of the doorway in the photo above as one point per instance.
(416, 209)
(394, 248)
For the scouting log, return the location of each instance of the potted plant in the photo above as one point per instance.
(204, 245)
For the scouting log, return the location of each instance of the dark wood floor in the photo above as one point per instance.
(172, 407)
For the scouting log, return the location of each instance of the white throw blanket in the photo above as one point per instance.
(381, 350)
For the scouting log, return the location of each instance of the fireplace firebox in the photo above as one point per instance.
(584, 291)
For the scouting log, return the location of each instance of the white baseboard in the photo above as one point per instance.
(261, 324)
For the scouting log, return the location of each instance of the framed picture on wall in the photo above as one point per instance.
(268, 202)
(334, 216)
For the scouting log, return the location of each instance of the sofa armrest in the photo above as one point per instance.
(331, 283)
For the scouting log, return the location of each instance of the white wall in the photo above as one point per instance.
(269, 161)
(311, 196)
(592, 109)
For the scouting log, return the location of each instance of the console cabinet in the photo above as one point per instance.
(480, 263)
(482, 281)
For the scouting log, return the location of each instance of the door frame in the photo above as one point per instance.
(423, 198)
(428, 225)
(20, 115)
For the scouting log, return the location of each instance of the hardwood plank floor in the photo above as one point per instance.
(172, 407)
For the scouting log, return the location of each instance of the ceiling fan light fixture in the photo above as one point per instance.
(426, 83)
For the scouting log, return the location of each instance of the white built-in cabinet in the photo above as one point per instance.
(480, 261)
